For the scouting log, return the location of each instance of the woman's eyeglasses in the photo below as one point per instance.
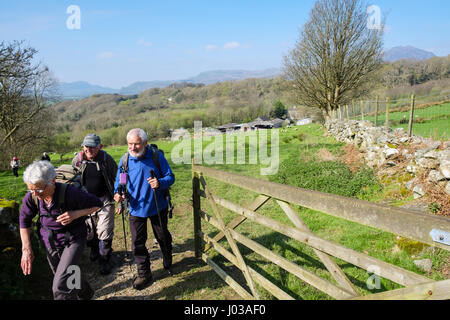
(37, 190)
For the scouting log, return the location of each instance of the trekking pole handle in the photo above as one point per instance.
(153, 176)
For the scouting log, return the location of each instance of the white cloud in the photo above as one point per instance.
(105, 55)
(211, 47)
(144, 43)
(231, 45)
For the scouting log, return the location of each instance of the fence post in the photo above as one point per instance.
(362, 111)
(411, 115)
(353, 107)
(388, 104)
(346, 107)
(196, 212)
(376, 112)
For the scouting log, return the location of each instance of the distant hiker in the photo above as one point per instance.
(15, 163)
(98, 172)
(60, 209)
(45, 157)
(140, 189)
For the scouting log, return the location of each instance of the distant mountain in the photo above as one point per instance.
(210, 77)
(83, 89)
(407, 52)
(140, 86)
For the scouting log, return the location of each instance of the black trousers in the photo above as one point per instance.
(138, 228)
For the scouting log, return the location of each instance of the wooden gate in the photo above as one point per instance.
(428, 229)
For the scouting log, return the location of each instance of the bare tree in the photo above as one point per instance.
(336, 55)
(25, 89)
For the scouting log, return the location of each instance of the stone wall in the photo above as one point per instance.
(425, 160)
(9, 224)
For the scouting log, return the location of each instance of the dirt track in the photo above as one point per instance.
(192, 278)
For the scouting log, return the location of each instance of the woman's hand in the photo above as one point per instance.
(67, 217)
(27, 260)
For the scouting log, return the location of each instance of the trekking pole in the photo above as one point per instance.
(152, 175)
(123, 208)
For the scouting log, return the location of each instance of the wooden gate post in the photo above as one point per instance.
(196, 212)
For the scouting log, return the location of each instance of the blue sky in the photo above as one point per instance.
(120, 42)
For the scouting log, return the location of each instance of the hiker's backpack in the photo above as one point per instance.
(155, 156)
(66, 175)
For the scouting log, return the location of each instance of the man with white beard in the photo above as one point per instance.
(134, 176)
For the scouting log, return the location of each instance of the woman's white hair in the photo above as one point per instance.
(39, 171)
(139, 133)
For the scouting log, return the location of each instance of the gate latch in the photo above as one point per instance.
(440, 236)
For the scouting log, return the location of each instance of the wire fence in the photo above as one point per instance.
(427, 116)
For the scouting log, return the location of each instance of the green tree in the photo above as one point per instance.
(336, 56)
(280, 109)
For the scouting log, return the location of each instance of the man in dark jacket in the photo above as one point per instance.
(98, 173)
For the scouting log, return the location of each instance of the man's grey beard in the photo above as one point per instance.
(138, 155)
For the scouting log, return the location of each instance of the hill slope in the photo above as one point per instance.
(407, 52)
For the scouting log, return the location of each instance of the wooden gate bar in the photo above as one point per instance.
(388, 271)
(225, 277)
(305, 275)
(255, 205)
(435, 290)
(266, 284)
(399, 221)
(230, 240)
(328, 262)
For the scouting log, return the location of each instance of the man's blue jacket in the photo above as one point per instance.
(140, 193)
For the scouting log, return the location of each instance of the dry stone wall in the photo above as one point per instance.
(384, 147)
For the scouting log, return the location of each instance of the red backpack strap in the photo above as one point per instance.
(80, 158)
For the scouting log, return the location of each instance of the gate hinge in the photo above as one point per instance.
(440, 236)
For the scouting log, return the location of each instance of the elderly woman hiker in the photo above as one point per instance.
(61, 227)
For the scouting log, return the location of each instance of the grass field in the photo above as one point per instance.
(302, 148)
(432, 122)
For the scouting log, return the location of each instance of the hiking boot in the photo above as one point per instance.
(141, 282)
(105, 266)
(169, 271)
(94, 255)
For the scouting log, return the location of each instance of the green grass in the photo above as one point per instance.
(298, 151)
(432, 122)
